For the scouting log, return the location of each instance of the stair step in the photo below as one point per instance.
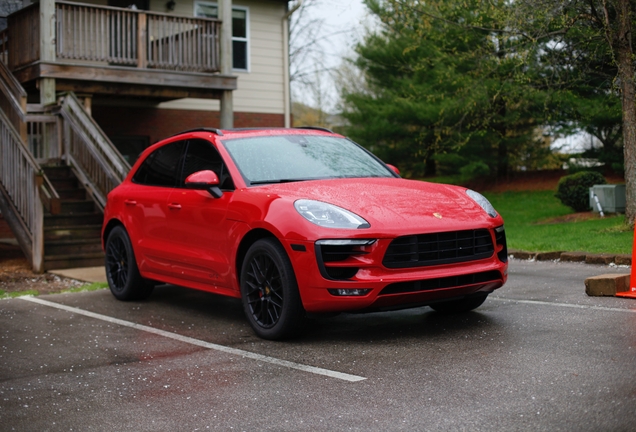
(76, 232)
(71, 220)
(77, 206)
(58, 172)
(73, 260)
(64, 183)
(70, 247)
(74, 194)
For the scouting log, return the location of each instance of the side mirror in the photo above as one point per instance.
(204, 180)
(394, 169)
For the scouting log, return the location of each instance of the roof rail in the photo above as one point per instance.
(314, 128)
(215, 131)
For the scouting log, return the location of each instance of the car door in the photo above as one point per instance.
(197, 221)
(147, 207)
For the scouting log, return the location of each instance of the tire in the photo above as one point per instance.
(269, 292)
(459, 306)
(122, 273)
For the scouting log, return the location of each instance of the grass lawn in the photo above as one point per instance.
(532, 224)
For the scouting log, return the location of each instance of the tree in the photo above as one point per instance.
(441, 84)
(601, 31)
(501, 69)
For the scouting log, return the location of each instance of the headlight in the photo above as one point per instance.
(483, 202)
(329, 215)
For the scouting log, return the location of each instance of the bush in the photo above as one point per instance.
(474, 170)
(574, 190)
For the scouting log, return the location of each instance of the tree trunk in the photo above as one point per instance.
(628, 93)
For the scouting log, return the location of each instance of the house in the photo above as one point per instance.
(87, 86)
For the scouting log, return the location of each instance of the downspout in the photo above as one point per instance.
(286, 79)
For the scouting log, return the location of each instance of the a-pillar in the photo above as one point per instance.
(227, 101)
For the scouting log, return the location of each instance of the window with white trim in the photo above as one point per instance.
(240, 30)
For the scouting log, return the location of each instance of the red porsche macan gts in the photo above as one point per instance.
(297, 222)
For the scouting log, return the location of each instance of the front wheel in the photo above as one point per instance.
(122, 273)
(269, 291)
(458, 306)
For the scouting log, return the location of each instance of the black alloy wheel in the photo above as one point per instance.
(270, 293)
(122, 273)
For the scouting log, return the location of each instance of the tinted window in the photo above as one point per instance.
(202, 155)
(162, 167)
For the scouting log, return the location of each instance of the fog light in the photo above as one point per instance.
(349, 292)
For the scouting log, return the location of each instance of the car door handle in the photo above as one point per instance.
(174, 206)
(130, 202)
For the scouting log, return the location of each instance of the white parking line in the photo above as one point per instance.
(192, 341)
(568, 305)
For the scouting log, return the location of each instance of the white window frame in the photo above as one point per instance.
(245, 39)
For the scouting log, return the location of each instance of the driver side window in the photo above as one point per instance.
(201, 155)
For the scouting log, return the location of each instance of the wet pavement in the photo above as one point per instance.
(538, 355)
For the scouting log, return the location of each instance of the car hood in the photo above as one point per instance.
(392, 203)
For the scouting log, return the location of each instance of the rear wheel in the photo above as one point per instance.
(122, 272)
(458, 306)
(269, 290)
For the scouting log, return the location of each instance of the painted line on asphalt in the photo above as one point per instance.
(197, 342)
(568, 305)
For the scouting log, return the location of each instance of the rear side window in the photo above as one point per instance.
(162, 167)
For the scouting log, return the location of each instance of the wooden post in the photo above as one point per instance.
(24, 136)
(47, 49)
(38, 228)
(142, 46)
(227, 102)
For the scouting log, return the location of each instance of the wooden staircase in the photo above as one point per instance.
(56, 169)
(72, 236)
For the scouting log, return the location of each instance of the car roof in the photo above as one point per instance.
(256, 131)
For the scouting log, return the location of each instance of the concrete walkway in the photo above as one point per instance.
(86, 274)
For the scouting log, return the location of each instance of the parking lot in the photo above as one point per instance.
(538, 355)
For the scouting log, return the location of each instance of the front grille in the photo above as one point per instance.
(440, 283)
(439, 248)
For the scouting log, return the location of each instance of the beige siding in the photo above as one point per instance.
(261, 89)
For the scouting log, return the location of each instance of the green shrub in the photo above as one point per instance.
(474, 170)
(574, 190)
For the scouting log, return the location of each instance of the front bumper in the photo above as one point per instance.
(390, 288)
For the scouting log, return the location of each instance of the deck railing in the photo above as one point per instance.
(100, 167)
(24, 37)
(43, 135)
(136, 38)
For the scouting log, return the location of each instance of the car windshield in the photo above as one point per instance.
(284, 158)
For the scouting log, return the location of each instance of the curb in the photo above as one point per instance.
(588, 258)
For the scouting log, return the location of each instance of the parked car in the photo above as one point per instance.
(296, 222)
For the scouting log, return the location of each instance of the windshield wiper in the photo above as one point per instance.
(259, 182)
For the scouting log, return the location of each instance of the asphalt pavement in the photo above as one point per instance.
(538, 355)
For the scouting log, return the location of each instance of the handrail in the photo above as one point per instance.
(98, 163)
(13, 100)
(13, 103)
(20, 178)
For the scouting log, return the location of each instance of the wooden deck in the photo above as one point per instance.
(112, 51)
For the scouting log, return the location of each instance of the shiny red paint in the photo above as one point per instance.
(189, 238)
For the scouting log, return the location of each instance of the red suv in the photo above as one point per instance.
(297, 221)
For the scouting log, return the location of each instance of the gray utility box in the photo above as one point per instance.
(611, 197)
